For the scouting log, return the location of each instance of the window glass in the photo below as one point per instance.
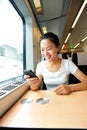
(11, 42)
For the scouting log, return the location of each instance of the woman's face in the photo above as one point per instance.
(48, 49)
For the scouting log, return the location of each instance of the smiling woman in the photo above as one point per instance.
(20, 49)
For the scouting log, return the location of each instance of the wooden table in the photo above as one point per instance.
(62, 111)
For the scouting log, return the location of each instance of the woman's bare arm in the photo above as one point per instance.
(34, 83)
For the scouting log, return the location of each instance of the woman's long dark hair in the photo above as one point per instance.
(52, 37)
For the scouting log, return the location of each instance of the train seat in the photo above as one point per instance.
(80, 59)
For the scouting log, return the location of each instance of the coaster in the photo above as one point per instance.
(27, 100)
(42, 100)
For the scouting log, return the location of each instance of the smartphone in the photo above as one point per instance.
(30, 73)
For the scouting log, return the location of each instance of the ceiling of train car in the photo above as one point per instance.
(80, 29)
(53, 16)
(58, 16)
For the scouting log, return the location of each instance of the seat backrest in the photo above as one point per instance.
(64, 56)
(80, 59)
(75, 58)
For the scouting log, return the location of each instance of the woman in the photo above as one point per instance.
(54, 70)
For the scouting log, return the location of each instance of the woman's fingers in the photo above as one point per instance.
(62, 90)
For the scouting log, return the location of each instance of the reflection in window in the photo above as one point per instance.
(11, 42)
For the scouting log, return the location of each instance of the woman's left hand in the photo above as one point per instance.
(63, 89)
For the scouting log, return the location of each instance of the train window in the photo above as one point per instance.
(11, 43)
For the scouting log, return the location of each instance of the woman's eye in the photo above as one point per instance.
(49, 48)
(46, 49)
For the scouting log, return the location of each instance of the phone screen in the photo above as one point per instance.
(30, 73)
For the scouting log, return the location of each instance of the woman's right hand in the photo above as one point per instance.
(33, 82)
